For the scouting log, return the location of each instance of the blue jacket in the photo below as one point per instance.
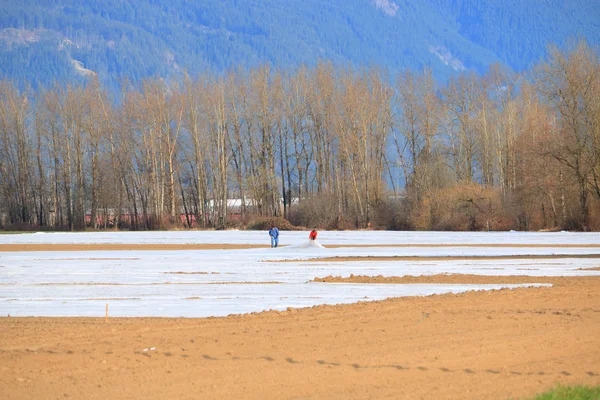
(274, 232)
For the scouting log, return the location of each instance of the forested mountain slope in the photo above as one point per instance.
(43, 41)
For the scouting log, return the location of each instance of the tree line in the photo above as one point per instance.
(321, 146)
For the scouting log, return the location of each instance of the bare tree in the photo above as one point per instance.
(419, 109)
(15, 154)
(463, 102)
(219, 154)
(569, 81)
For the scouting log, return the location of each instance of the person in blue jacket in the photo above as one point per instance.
(274, 233)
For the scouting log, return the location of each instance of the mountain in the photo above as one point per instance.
(42, 41)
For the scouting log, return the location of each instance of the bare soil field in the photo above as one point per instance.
(454, 279)
(504, 344)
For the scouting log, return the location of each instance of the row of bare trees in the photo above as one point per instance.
(319, 146)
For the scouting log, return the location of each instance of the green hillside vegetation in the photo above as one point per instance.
(518, 31)
(131, 40)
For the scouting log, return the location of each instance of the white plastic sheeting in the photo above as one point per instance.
(201, 283)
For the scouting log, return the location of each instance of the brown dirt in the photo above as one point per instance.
(477, 345)
(452, 279)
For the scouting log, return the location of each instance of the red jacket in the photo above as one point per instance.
(313, 235)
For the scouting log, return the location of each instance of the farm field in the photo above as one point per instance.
(371, 315)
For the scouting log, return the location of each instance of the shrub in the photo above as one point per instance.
(264, 223)
(571, 393)
(469, 207)
(234, 224)
(317, 212)
(392, 215)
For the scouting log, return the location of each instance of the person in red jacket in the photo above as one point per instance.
(313, 235)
